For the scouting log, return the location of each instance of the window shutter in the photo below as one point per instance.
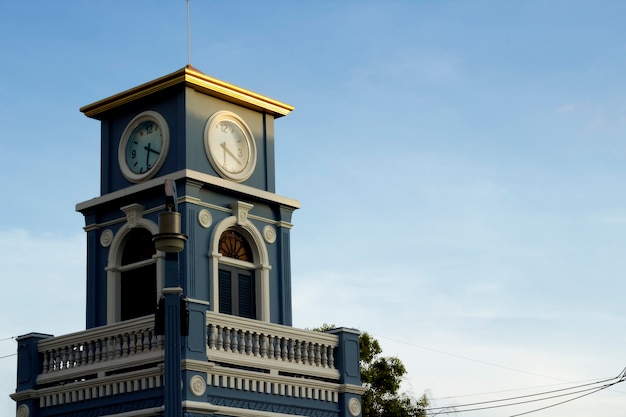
(225, 292)
(247, 306)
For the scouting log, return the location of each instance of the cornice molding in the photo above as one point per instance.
(191, 77)
(243, 190)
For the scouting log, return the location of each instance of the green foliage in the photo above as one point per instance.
(382, 376)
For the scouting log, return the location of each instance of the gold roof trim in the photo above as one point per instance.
(197, 80)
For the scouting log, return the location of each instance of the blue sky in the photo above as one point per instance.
(460, 164)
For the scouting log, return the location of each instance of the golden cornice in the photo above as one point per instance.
(197, 80)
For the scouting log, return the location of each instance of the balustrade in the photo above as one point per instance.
(99, 345)
(235, 339)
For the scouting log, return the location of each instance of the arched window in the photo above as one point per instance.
(236, 276)
(138, 279)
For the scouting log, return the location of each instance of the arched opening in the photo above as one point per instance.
(138, 275)
(237, 279)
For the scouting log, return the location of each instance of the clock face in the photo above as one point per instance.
(230, 146)
(143, 146)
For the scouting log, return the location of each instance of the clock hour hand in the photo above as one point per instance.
(232, 155)
(149, 149)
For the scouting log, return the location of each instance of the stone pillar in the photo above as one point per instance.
(29, 366)
(347, 361)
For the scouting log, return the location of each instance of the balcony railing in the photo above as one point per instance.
(282, 349)
(241, 354)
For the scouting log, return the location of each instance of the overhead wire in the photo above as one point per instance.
(8, 356)
(587, 391)
(469, 359)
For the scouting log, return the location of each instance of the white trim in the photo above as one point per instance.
(211, 147)
(128, 130)
(207, 179)
(114, 268)
(260, 264)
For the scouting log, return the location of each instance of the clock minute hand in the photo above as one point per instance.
(232, 155)
(149, 149)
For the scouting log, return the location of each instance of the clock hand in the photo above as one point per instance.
(232, 155)
(149, 149)
(147, 154)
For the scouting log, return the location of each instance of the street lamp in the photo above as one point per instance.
(171, 241)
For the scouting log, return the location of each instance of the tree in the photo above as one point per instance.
(382, 376)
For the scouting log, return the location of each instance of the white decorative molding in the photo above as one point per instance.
(204, 218)
(106, 238)
(23, 411)
(269, 234)
(260, 262)
(354, 406)
(208, 179)
(114, 262)
(197, 385)
(240, 211)
(134, 212)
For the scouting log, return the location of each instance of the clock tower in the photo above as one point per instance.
(216, 142)
(200, 328)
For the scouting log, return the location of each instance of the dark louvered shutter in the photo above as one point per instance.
(247, 306)
(225, 292)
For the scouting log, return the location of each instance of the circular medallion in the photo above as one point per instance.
(204, 218)
(354, 406)
(143, 146)
(230, 146)
(106, 238)
(269, 234)
(23, 411)
(197, 385)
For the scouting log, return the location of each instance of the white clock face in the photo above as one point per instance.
(143, 146)
(230, 146)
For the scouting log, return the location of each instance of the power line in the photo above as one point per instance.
(470, 359)
(8, 356)
(478, 394)
(587, 391)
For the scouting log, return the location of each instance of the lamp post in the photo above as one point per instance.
(171, 241)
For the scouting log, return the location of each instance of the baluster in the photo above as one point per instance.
(140, 346)
(123, 345)
(242, 342)
(97, 354)
(271, 350)
(264, 346)
(83, 353)
(310, 353)
(63, 364)
(212, 336)
(132, 346)
(226, 336)
(331, 357)
(285, 349)
(107, 348)
(90, 347)
(70, 356)
(248, 344)
(220, 339)
(46, 362)
(235, 340)
(291, 350)
(318, 356)
(257, 344)
(324, 356)
(54, 355)
(115, 347)
(154, 340)
(298, 351)
(75, 356)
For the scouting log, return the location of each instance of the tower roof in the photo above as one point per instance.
(191, 77)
